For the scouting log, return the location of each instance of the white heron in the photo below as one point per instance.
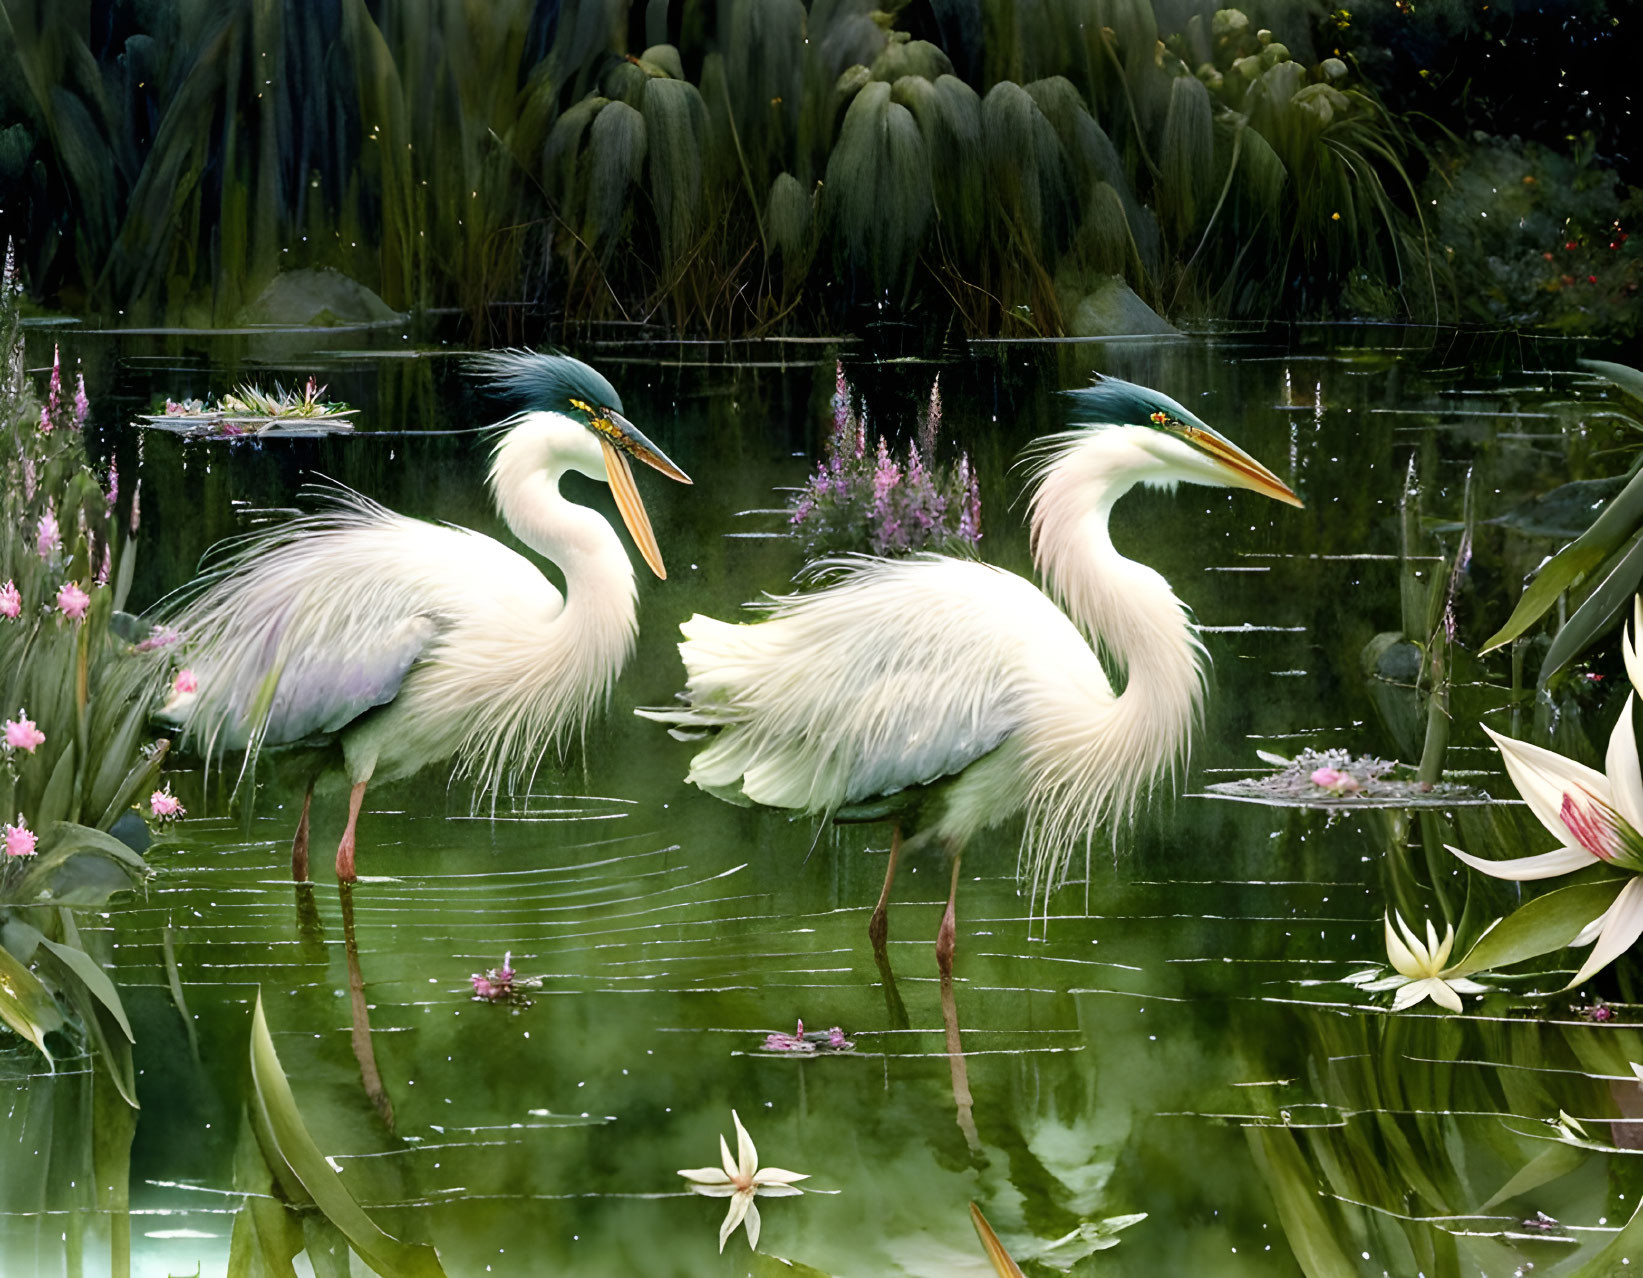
(409, 642)
(949, 695)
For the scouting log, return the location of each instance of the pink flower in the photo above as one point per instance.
(20, 840)
(45, 421)
(11, 600)
(184, 683)
(82, 405)
(23, 734)
(113, 484)
(54, 393)
(47, 537)
(1335, 782)
(483, 987)
(166, 806)
(72, 601)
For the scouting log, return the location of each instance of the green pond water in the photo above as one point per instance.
(1172, 1040)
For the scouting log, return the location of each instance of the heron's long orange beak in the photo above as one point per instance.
(1249, 472)
(620, 438)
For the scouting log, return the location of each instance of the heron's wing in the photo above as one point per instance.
(900, 673)
(303, 627)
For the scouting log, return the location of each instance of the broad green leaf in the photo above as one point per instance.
(1552, 1163)
(768, 1266)
(1627, 378)
(1294, 1188)
(117, 753)
(1619, 1257)
(93, 977)
(21, 938)
(58, 795)
(1596, 611)
(295, 1147)
(80, 866)
(1542, 925)
(1620, 519)
(266, 1234)
(25, 1004)
(144, 773)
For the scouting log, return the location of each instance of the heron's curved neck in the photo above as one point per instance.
(600, 592)
(1125, 607)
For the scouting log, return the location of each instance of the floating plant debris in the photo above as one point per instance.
(1338, 779)
(808, 1042)
(249, 410)
(503, 984)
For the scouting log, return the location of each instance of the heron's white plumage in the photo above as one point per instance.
(417, 641)
(904, 672)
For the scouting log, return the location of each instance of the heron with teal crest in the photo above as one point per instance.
(945, 695)
(401, 643)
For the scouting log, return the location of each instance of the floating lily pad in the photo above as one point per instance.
(1370, 783)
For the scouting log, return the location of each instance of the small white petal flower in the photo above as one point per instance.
(741, 1180)
(1419, 969)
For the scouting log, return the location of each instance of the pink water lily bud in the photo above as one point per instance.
(1335, 782)
(184, 683)
(20, 840)
(22, 733)
(72, 601)
(11, 600)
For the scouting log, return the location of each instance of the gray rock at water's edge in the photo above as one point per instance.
(317, 296)
(1112, 309)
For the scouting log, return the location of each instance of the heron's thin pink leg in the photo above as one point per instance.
(948, 933)
(878, 927)
(345, 849)
(299, 844)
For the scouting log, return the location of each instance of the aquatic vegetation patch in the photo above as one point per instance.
(864, 499)
(250, 410)
(1338, 779)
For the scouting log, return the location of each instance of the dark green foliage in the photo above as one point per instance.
(876, 196)
(441, 152)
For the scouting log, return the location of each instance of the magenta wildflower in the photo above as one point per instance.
(45, 421)
(166, 806)
(503, 984)
(82, 405)
(184, 683)
(11, 600)
(107, 565)
(54, 393)
(47, 536)
(20, 840)
(72, 602)
(113, 484)
(22, 733)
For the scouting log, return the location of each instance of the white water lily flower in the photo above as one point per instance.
(741, 1181)
(1419, 968)
(1597, 816)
